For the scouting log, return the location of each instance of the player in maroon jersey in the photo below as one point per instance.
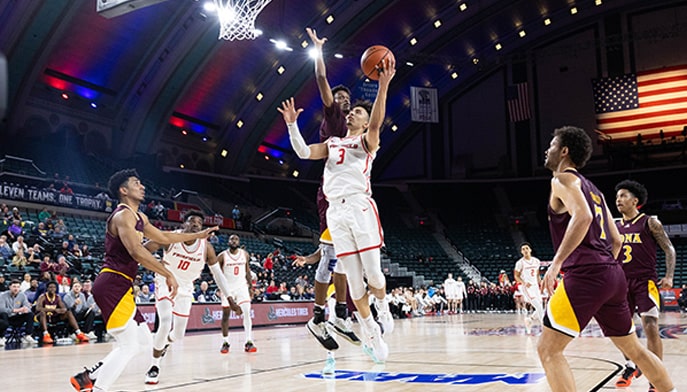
(587, 244)
(641, 235)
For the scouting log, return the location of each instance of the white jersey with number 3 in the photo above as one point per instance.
(186, 262)
(348, 167)
(235, 268)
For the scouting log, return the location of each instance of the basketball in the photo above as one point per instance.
(372, 59)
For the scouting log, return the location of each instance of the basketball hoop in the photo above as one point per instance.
(237, 18)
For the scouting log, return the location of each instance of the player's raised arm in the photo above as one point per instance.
(320, 69)
(303, 150)
(386, 73)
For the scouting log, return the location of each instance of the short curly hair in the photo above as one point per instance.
(118, 179)
(637, 189)
(578, 142)
(191, 213)
(341, 87)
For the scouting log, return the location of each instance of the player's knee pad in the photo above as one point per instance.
(327, 263)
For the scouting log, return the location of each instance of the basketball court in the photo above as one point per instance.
(472, 352)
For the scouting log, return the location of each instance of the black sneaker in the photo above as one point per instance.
(625, 380)
(82, 382)
(250, 347)
(320, 332)
(152, 375)
(225, 348)
(343, 329)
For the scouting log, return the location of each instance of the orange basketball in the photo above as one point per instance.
(372, 59)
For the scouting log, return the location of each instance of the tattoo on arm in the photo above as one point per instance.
(664, 242)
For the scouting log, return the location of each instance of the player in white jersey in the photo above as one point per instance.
(235, 264)
(526, 273)
(186, 261)
(451, 291)
(352, 215)
(462, 293)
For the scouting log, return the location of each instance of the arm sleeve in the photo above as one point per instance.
(297, 141)
(220, 279)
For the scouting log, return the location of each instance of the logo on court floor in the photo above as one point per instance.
(439, 378)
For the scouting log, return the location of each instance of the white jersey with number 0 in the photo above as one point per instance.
(186, 262)
(348, 167)
(235, 268)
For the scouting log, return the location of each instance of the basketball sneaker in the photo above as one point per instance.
(374, 346)
(81, 337)
(250, 347)
(320, 332)
(152, 375)
(82, 382)
(386, 320)
(652, 388)
(329, 366)
(47, 339)
(625, 380)
(225, 348)
(343, 328)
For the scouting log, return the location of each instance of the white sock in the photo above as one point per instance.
(156, 361)
(381, 304)
(369, 323)
(630, 364)
(225, 339)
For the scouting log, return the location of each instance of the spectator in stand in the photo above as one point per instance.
(57, 233)
(26, 283)
(5, 248)
(31, 291)
(203, 294)
(20, 244)
(40, 230)
(503, 278)
(47, 265)
(272, 291)
(6, 213)
(3, 285)
(85, 252)
(76, 251)
(19, 259)
(214, 240)
(44, 215)
(60, 225)
(14, 230)
(46, 277)
(65, 189)
(144, 295)
(76, 302)
(71, 240)
(62, 265)
(268, 265)
(64, 283)
(52, 220)
(15, 310)
(16, 215)
(236, 213)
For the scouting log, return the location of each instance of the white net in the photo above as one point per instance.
(237, 18)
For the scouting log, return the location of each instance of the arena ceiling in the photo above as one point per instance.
(158, 81)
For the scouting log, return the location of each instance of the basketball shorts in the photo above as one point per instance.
(181, 304)
(239, 292)
(114, 295)
(643, 297)
(588, 291)
(354, 225)
(531, 294)
(451, 295)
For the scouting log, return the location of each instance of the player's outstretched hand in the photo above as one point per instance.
(317, 41)
(288, 110)
(299, 261)
(206, 233)
(387, 71)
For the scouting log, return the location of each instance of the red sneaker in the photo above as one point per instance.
(225, 348)
(81, 382)
(47, 339)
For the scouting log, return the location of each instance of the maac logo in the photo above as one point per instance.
(451, 379)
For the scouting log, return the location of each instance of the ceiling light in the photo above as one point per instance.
(257, 32)
(522, 33)
(498, 46)
(295, 173)
(463, 6)
(259, 97)
(573, 10)
(281, 69)
(209, 6)
(338, 55)
(181, 165)
(437, 24)
(224, 153)
(184, 132)
(598, 2)
(547, 21)
(454, 75)
(394, 128)
(330, 19)
(413, 41)
(408, 63)
(313, 53)
(281, 162)
(94, 105)
(65, 96)
(304, 44)
(475, 60)
(280, 44)
(239, 124)
(205, 139)
(267, 157)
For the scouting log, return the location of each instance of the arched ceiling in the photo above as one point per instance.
(161, 69)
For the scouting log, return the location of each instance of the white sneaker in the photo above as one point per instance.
(2, 342)
(374, 346)
(385, 318)
(329, 367)
(91, 336)
(29, 339)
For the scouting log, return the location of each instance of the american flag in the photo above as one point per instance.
(518, 102)
(645, 103)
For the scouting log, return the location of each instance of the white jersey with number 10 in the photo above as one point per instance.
(186, 262)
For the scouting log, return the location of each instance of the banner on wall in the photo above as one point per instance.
(424, 104)
(208, 316)
(669, 297)
(225, 223)
(44, 196)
